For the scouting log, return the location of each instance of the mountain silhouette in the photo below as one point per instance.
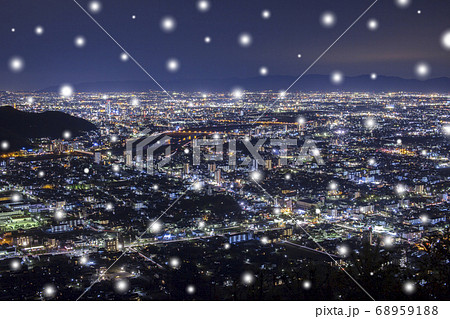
(17, 127)
(308, 83)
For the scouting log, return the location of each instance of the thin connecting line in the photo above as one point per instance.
(321, 248)
(131, 57)
(315, 61)
(140, 236)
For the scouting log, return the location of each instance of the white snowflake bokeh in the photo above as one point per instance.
(203, 5)
(16, 64)
(422, 70)
(445, 39)
(266, 14)
(245, 39)
(4, 145)
(168, 24)
(172, 65)
(190, 289)
(79, 41)
(263, 71)
(337, 77)
(95, 6)
(403, 3)
(328, 19)
(39, 30)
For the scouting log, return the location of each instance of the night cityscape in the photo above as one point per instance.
(248, 187)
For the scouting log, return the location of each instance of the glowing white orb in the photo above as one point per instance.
(84, 260)
(174, 262)
(66, 91)
(424, 219)
(168, 24)
(333, 186)
(337, 77)
(134, 102)
(315, 152)
(203, 5)
(237, 93)
(287, 176)
(190, 289)
(114, 138)
(401, 189)
(388, 241)
(372, 161)
(282, 94)
(4, 145)
(343, 250)
(16, 197)
(445, 40)
(399, 142)
(277, 210)
(13, 30)
(198, 186)
(373, 76)
(370, 123)
(79, 41)
(155, 187)
(16, 64)
(328, 19)
(115, 168)
(245, 39)
(186, 151)
(66, 135)
(227, 246)
(423, 152)
(446, 129)
(247, 278)
(409, 288)
(124, 57)
(422, 69)
(41, 174)
(263, 71)
(39, 30)
(201, 224)
(265, 14)
(86, 170)
(133, 17)
(301, 120)
(299, 55)
(264, 240)
(172, 65)
(15, 265)
(59, 215)
(207, 39)
(95, 6)
(30, 99)
(109, 206)
(317, 211)
(49, 290)
(306, 284)
(372, 24)
(256, 176)
(419, 11)
(402, 3)
(156, 227)
(121, 286)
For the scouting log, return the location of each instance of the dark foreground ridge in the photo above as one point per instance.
(17, 127)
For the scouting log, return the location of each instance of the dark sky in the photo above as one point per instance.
(403, 38)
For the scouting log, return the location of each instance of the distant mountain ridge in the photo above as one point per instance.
(17, 127)
(308, 83)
